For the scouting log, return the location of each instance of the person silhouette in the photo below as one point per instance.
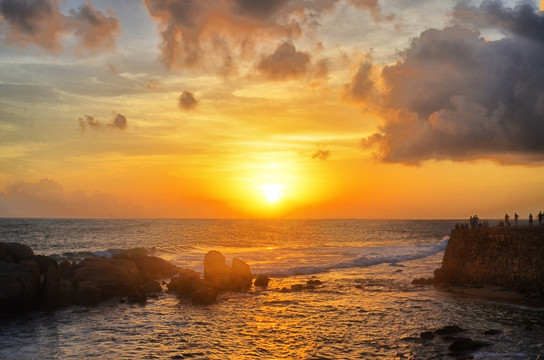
(540, 216)
(506, 221)
(516, 217)
(530, 219)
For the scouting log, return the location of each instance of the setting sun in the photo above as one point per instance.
(273, 192)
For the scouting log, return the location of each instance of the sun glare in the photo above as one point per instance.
(273, 192)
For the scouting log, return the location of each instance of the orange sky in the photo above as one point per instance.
(282, 109)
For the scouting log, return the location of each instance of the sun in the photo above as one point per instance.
(273, 192)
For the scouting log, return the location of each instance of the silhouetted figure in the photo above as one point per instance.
(506, 221)
(516, 217)
(540, 216)
(471, 222)
(530, 219)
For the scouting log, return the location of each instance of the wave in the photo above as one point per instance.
(379, 255)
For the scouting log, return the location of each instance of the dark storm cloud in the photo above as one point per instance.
(40, 22)
(285, 62)
(195, 34)
(187, 101)
(454, 95)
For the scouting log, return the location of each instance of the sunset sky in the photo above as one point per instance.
(271, 108)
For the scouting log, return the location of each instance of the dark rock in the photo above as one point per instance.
(87, 293)
(19, 285)
(66, 269)
(284, 290)
(137, 298)
(314, 282)
(297, 287)
(150, 286)
(466, 344)
(14, 252)
(262, 280)
(50, 289)
(45, 262)
(398, 270)
(204, 294)
(66, 293)
(427, 335)
(186, 282)
(423, 281)
(492, 332)
(309, 287)
(240, 276)
(122, 300)
(216, 272)
(449, 330)
(152, 267)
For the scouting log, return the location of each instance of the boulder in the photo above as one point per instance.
(466, 344)
(50, 289)
(150, 286)
(240, 276)
(185, 283)
(18, 285)
(114, 277)
(262, 280)
(14, 252)
(426, 335)
(44, 262)
(204, 294)
(66, 293)
(152, 267)
(314, 282)
(449, 330)
(87, 293)
(216, 272)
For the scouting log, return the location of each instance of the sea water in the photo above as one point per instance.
(366, 307)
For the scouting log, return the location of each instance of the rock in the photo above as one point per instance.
(297, 287)
(427, 335)
(492, 332)
(50, 289)
(204, 294)
(152, 267)
(150, 286)
(262, 280)
(449, 330)
(240, 276)
(314, 282)
(66, 269)
(137, 298)
(114, 277)
(14, 252)
(423, 281)
(44, 262)
(216, 272)
(18, 285)
(284, 290)
(66, 293)
(466, 344)
(88, 293)
(186, 282)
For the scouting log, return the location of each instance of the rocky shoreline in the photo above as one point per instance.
(38, 282)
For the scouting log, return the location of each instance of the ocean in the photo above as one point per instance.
(366, 307)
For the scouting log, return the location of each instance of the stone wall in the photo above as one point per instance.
(511, 257)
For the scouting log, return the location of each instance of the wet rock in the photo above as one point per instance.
(66, 293)
(297, 287)
(14, 252)
(87, 293)
(18, 285)
(423, 281)
(466, 344)
(185, 283)
(426, 335)
(314, 282)
(150, 286)
(66, 269)
(204, 294)
(492, 332)
(50, 289)
(262, 280)
(284, 290)
(137, 298)
(216, 272)
(240, 276)
(449, 330)
(44, 262)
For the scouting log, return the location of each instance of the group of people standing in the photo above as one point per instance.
(516, 217)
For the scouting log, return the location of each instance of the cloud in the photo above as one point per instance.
(373, 6)
(95, 30)
(119, 122)
(187, 101)
(321, 154)
(284, 63)
(362, 86)
(48, 198)
(454, 95)
(40, 22)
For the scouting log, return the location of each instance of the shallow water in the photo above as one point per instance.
(365, 308)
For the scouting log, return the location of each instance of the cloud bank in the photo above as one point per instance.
(455, 95)
(41, 23)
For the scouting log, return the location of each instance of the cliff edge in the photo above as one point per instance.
(510, 257)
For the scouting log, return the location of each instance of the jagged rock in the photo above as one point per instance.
(14, 252)
(262, 280)
(427, 335)
(240, 276)
(18, 285)
(216, 272)
(466, 344)
(150, 286)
